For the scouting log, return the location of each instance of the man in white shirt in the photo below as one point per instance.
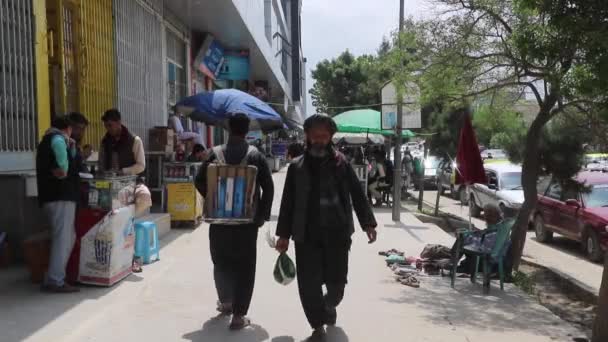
(377, 177)
(120, 150)
(175, 122)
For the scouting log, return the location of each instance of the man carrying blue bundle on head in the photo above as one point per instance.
(233, 246)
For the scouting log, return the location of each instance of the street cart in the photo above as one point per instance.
(184, 203)
(105, 236)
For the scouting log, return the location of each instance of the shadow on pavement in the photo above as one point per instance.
(408, 228)
(336, 334)
(283, 339)
(216, 330)
(466, 307)
(24, 309)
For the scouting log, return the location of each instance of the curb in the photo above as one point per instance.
(588, 290)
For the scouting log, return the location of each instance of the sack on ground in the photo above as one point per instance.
(284, 270)
(435, 252)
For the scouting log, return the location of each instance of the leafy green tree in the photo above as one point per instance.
(497, 124)
(538, 45)
(347, 81)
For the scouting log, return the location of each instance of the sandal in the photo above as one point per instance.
(136, 268)
(403, 272)
(410, 281)
(239, 323)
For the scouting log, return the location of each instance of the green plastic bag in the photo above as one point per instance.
(284, 270)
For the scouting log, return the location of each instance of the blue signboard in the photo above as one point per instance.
(210, 57)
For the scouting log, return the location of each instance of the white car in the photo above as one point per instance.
(504, 189)
(493, 154)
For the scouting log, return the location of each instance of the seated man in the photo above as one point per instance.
(197, 155)
(484, 240)
(377, 177)
(175, 122)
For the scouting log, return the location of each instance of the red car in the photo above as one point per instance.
(577, 210)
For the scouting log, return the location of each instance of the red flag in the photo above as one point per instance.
(468, 158)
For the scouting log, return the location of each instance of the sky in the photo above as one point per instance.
(331, 26)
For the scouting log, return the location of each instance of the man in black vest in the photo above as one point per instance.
(321, 190)
(234, 247)
(58, 193)
(120, 151)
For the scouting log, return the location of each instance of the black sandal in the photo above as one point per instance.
(243, 323)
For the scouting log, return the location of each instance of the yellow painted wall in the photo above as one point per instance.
(93, 56)
(97, 81)
(41, 50)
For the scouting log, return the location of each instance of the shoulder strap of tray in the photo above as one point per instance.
(250, 151)
(219, 154)
(221, 158)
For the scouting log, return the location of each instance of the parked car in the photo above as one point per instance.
(430, 167)
(493, 154)
(447, 181)
(503, 189)
(577, 210)
(596, 162)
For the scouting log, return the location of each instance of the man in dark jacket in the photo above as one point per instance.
(320, 193)
(58, 184)
(120, 151)
(233, 247)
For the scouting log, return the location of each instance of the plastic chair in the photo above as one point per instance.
(147, 246)
(487, 258)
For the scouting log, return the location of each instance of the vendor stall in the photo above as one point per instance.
(184, 203)
(103, 251)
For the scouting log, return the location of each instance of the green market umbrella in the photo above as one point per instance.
(365, 121)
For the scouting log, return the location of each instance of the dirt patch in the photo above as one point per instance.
(559, 295)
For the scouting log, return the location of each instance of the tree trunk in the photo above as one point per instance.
(529, 178)
(600, 325)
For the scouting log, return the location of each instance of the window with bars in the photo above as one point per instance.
(18, 120)
(176, 73)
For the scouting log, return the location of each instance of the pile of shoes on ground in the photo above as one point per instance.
(433, 260)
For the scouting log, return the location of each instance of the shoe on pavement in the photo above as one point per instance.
(239, 323)
(318, 335)
(65, 288)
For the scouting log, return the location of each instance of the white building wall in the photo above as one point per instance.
(252, 14)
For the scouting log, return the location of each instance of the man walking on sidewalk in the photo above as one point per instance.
(320, 192)
(58, 185)
(233, 247)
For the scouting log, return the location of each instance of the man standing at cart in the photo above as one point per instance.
(79, 126)
(58, 193)
(233, 247)
(320, 193)
(120, 151)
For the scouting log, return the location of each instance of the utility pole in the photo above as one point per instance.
(398, 133)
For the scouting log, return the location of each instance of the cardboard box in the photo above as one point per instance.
(161, 139)
(106, 251)
(225, 185)
(184, 203)
(36, 251)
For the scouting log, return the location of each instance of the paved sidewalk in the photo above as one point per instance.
(174, 300)
(563, 256)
